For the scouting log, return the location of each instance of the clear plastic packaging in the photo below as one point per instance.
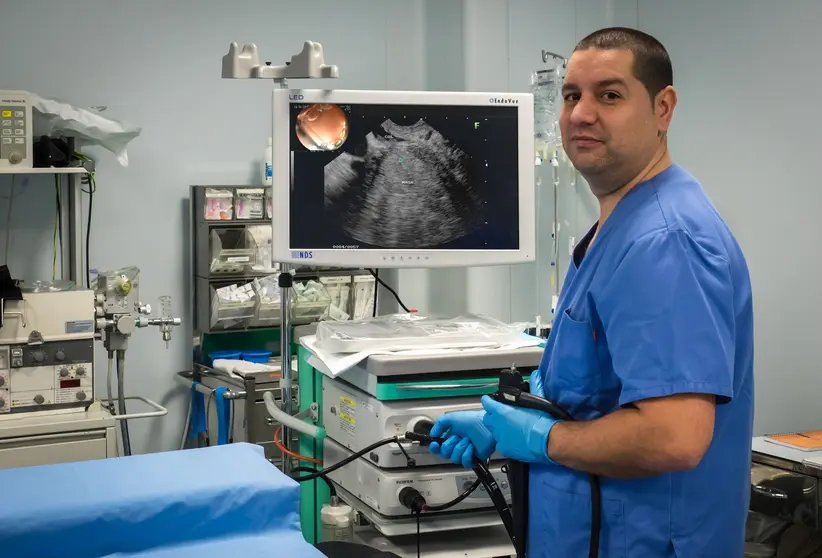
(231, 306)
(311, 301)
(414, 331)
(267, 293)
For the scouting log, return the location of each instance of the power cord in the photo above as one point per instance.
(8, 222)
(58, 227)
(374, 308)
(323, 477)
(385, 285)
(355, 456)
(89, 181)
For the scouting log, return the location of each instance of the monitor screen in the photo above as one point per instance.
(396, 178)
(407, 177)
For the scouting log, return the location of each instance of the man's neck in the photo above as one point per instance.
(659, 162)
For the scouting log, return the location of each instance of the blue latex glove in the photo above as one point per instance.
(536, 384)
(465, 436)
(521, 434)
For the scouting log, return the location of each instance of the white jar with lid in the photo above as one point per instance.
(337, 523)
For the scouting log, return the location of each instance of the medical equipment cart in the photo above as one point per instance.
(408, 388)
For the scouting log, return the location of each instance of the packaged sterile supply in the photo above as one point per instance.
(218, 204)
(249, 203)
(415, 331)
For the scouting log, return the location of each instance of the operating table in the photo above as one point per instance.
(215, 501)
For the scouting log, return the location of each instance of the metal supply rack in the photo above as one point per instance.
(229, 228)
(250, 422)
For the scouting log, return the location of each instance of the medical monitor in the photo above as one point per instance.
(402, 179)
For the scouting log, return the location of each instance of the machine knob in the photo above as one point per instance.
(80, 371)
(15, 157)
(39, 399)
(38, 356)
(2, 402)
(81, 395)
(64, 372)
(2, 381)
(60, 355)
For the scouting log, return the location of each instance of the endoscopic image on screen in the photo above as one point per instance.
(404, 177)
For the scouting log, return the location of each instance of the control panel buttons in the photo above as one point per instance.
(2, 381)
(17, 352)
(20, 123)
(60, 355)
(19, 132)
(19, 114)
(64, 372)
(80, 371)
(6, 141)
(6, 131)
(2, 403)
(6, 122)
(6, 114)
(81, 396)
(38, 356)
(39, 399)
(18, 141)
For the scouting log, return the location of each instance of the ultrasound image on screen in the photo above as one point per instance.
(404, 177)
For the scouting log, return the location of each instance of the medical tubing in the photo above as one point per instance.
(121, 398)
(529, 401)
(288, 452)
(289, 421)
(109, 374)
(455, 501)
(349, 459)
(324, 478)
(493, 490)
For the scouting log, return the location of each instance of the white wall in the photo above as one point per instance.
(747, 126)
(157, 64)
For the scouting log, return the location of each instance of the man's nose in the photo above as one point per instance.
(584, 111)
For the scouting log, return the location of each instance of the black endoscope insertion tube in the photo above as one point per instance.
(514, 391)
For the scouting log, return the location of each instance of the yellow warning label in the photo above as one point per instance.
(348, 415)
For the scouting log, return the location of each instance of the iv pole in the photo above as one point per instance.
(244, 63)
(552, 75)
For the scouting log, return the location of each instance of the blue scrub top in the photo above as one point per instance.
(659, 305)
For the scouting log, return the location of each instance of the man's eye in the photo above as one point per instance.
(570, 97)
(611, 96)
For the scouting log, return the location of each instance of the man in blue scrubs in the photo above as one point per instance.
(651, 350)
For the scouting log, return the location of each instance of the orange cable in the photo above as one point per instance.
(287, 451)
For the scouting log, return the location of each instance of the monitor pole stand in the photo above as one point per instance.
(244, 63)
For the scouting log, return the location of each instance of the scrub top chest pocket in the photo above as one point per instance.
(574, 373)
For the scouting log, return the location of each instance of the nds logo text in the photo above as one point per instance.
(302, 254)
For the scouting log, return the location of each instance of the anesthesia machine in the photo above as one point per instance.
(48, 407)
(403, 180)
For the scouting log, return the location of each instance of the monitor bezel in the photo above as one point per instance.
(282, 252)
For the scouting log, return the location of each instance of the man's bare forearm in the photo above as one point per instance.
(624, 444)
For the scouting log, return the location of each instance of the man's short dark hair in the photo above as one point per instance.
(652, 65)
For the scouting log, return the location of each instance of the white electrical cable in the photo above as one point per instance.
(289, 421)
(188, 424)
(8, 223)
